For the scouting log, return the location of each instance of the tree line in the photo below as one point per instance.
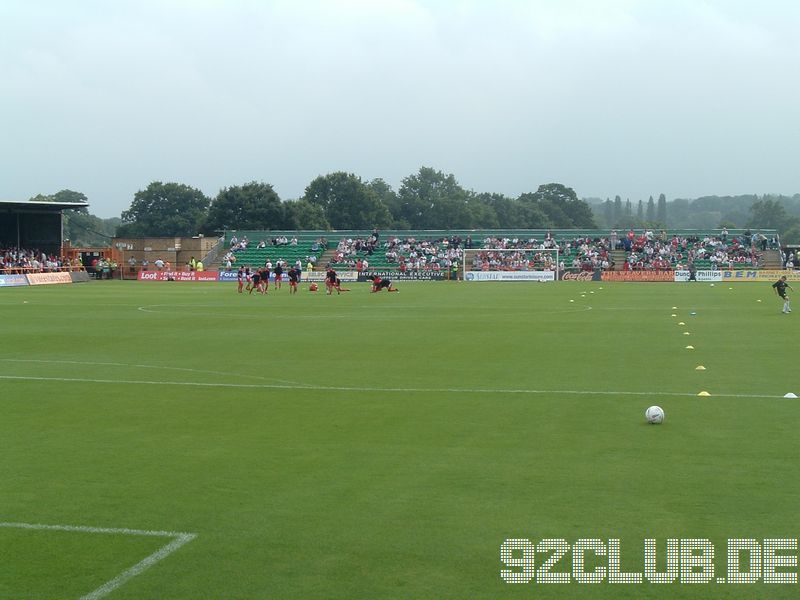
(769, 211)
(427, 199)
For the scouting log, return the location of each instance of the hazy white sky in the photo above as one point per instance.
(684, 97)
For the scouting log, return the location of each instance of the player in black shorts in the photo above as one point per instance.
(780, 289)
(330, 280)
(379, 284)
(264, 280)
(294, 278)
(255, 282)
(278, 270)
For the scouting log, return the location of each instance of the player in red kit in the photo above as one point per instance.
(379, 284)
(330, 280)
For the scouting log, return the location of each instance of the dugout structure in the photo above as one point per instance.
(34, 225)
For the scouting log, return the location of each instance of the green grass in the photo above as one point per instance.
(384, 445)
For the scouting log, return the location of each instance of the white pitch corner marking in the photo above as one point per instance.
(178, 539)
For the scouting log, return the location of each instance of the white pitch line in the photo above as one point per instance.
(139, 567)
(179, 539)
(134, 366)
(377, 389)
(87, 529)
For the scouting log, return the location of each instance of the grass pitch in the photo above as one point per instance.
(385, 445)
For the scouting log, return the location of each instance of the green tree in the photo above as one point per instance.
(561, 205)
(508, 213)
(430, 199)
(608, 213)
(70, 196)
(383, 191)
(618, 214)
(545, 213)
(85, 230)
(680, 213)
(661, 212)
(301, 214)
(482, 213)
(253, 205)
(640, 212)
(81, 228)
(348, 203)
(650, 215)
(770, 214)
(63, 196)
(165, 210)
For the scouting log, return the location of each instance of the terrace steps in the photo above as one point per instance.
(618, 258)
(325, 258)
(772, 259)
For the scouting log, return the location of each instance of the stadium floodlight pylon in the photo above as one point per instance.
(511, 264)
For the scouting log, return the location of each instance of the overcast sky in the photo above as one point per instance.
(684, 97)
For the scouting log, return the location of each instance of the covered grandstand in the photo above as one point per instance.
(34, 225)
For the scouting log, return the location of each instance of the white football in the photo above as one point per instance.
(654, 415)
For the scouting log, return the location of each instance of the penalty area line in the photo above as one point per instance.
(331, 388)
(178, 539)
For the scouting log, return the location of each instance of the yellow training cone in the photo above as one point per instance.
(690, 347)
(674, 308)
(673, 315)
(686, 333)
(681, 323)
(703, 394)
(699, 368)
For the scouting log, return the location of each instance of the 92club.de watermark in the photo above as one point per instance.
(675, 560)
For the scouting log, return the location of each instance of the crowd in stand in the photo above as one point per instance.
(21, 260)
(406, 253)
(348, 249)
(642, 251)
(237, 245)
(661, 252)
(578, 253)
(646, 251)
(520, 260)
